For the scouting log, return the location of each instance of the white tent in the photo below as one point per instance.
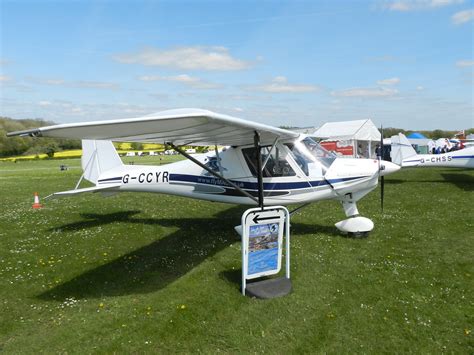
(362, 135)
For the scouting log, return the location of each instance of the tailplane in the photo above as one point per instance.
(98, 157)
(402, 152)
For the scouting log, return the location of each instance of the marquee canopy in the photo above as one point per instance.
(361, 130)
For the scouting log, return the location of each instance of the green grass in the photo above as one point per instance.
(155, 273)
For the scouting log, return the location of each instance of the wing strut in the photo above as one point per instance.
(210, 171)
(256, 141)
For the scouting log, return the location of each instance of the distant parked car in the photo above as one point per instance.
(130, 154)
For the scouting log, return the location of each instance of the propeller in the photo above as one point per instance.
(381, 167)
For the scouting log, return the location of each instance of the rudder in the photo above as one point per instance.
(98, 156)
(402, 152)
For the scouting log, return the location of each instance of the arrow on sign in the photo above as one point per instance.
(257, 218)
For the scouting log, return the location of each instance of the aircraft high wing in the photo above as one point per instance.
(181, 127)
(262, 165)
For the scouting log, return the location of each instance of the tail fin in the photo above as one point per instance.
(97, 157)
(402, 152)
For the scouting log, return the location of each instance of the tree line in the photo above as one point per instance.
(435, 134)
(15, 146)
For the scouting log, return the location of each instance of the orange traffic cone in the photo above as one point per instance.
(37, 204)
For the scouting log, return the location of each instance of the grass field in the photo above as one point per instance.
(155, 273)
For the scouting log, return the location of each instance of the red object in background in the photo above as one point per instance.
(36, 203)
(338, 148)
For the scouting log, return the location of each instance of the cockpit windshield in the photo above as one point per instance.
(311, 157)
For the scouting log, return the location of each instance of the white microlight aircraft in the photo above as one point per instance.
(404, 155)
(260, 165)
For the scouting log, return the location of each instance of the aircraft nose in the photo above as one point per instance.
(387, 167)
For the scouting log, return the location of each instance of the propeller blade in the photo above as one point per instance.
(382, 178)
(381, 141)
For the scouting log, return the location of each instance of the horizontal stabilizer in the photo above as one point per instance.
(108, 189)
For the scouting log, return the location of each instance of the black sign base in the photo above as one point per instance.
(271, 288)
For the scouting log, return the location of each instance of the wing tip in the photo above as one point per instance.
(25, 133)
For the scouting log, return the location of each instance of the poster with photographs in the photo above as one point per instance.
(263, 248)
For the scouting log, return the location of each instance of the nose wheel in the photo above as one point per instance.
(359, 235)
(355, 225)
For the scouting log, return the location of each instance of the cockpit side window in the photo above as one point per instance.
(299, 158)
(276, 166)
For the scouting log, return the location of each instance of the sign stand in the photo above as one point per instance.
(262, 247)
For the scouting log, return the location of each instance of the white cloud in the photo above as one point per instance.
(150, 78)
(464, 63)
(391, 81)
(188, 58)
(399, 6)
(462, 17)
(9, 84)
(413, 5)
(440, 3)
(63, 111)
(50, 82)
(365, 92)
(280, 84)
(420, 88)
(74, 84)
(192, 81)
(93, 85)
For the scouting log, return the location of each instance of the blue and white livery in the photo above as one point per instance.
(294, 168)
(404, 155)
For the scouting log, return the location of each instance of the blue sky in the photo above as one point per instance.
(406, 64)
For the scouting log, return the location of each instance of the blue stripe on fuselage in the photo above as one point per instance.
(208, 180)
(114, 179)
(463, 157)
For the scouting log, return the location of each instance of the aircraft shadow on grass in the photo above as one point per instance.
(461, 180)
(156, 265)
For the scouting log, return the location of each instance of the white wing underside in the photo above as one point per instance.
(180, 127)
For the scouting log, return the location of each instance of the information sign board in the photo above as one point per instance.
(262, 242)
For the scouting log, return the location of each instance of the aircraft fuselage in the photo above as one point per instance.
(463, 158)
(184, 178)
